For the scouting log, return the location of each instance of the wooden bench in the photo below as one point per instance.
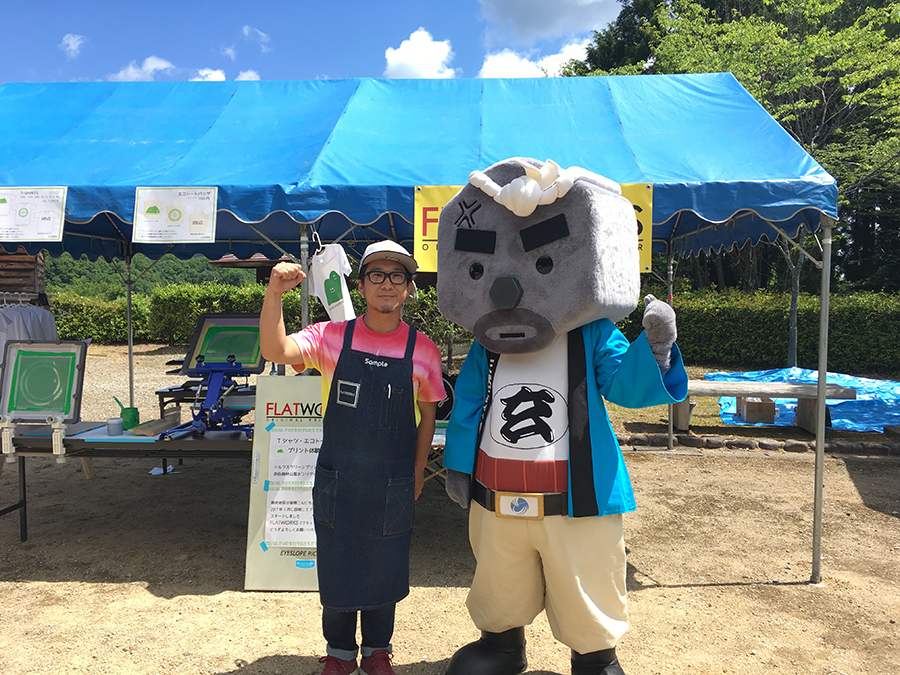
(805, 416)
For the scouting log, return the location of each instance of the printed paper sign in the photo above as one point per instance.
(174, 215)
(287, 436)
(292, 470)
(32, 213)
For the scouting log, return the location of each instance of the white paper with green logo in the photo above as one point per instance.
(175, 215)
(32, 213)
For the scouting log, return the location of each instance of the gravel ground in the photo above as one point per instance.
(130, 573)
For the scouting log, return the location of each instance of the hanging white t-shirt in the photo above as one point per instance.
(327, 281)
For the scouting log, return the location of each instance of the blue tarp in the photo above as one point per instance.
(347, 154)
(877, 403)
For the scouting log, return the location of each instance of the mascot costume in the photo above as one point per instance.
(538, 262)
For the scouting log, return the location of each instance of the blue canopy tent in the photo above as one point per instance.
(342, 157)
(346, 155)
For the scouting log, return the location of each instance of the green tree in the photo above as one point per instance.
(827, 70)
(623, 46)
(106, 279)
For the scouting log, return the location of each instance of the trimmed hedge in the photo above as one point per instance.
(103, 321)
(751, 331)
(726, 329)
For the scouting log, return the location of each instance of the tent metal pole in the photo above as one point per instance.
(827, 225)
(670, 273)
(128, 284)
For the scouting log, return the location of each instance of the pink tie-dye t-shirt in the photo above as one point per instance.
(321, 343)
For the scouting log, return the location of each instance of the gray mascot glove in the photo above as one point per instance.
(459, 487)
(659, 324)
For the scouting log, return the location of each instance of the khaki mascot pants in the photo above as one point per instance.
(572, 567)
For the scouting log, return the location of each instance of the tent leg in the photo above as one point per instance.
(128, 284)
(827, 225)
(670, 273)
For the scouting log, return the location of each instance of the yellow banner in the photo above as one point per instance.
(641, 197)
(430, 199)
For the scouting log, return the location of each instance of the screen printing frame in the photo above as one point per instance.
(10, 373)
(212, 322)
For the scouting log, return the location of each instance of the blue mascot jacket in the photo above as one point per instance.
(602, 365)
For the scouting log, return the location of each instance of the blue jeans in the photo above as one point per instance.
(339, 629)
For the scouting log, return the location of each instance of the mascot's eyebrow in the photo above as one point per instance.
(476, 241)
(544, 232)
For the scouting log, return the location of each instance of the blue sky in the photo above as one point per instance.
(120, 40)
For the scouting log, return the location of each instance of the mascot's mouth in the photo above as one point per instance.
(513, 331)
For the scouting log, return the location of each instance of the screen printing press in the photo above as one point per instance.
(41, 401)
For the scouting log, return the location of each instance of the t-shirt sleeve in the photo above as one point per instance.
(310, 341)
(427, 371)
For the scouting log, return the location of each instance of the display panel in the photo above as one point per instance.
(40, 379)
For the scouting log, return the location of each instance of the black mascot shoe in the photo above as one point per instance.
(603, 662)
(494, 654)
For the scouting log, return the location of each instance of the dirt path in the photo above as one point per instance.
(132, 573)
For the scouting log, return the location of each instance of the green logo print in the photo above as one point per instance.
(153, 211)
(332, 289)
(174, 215)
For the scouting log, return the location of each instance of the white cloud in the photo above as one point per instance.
(258, 36)
(230, 52)
(247, 75)
(143, 73)
(527, 21)
(419, 56)
(71, 44)
(554, 62)
(209, 75)
(508, 63)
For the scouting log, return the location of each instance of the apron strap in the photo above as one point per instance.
(348, 334)
(410, 344)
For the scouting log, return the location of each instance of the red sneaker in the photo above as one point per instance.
(379, 663)
(336, 666)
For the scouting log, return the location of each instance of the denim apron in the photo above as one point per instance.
(363, 496)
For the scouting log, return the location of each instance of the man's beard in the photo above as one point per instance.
(386, 307)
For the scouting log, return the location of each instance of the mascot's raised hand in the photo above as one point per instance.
(659, 324)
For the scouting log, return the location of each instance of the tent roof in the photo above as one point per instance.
(342, 152)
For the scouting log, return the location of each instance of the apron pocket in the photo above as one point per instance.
(391, 403)
(324, 496)
(400, 505)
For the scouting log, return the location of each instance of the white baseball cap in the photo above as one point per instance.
(389, 250)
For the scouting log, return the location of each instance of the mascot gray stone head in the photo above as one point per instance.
(528, 251)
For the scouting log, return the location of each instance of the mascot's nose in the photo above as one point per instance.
(506, 292)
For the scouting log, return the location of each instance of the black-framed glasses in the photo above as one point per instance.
(378, 277)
